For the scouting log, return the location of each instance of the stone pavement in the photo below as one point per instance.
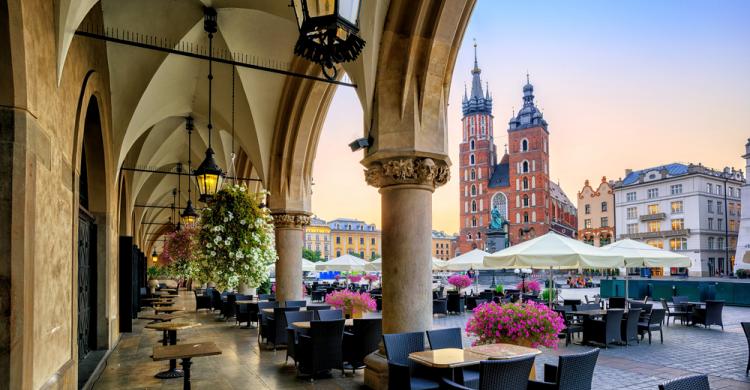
(246, 365)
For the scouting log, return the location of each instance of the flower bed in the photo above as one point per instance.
(527, 323)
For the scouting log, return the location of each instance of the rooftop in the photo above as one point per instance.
(674, 170)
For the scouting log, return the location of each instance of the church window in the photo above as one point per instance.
(525, 166)
(524, 145)
(468, 236)
(473, 175)
(525, 201)
(473, 206)
(474, 222)
(471, 159)
(500, 202)
(525, 217)
(473, 190)
(471, 145)
(525, 183)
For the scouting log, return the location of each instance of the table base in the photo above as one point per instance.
(170, 374)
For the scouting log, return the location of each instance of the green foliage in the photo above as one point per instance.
(499, 288)
(236, 239)
(265, 287)
(546, 292)
(355, 254)
(742, 273)
(156, 271)
(311, 255)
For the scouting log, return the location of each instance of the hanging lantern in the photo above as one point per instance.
(154, 256)
(328, 32)
(208, 177)
(189, 215)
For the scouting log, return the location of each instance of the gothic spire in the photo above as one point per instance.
(477, 101)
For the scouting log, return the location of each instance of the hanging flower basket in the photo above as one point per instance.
(180, 252)
(529, 324)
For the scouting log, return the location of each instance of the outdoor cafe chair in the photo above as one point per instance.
(573, 372)
(404, 374)
(320, 349)
(616, 303)
(605, 331)
(455, 303)
(363, 340)
(509, 374)
(652, 324)
(327, 315)
(692, 382)
(451, 338)
(276, 328)
(295, 303)
(291, 332)
(203, 301)
(439, 306)
(710, 315)
(746, 328)
(629, 327)
(676, 312)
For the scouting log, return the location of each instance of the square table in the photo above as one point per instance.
(185, 352)
(170, 337)
(447, 358)
(306, 324)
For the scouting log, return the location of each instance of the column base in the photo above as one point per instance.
(376, 371)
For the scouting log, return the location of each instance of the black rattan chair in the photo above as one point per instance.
(276, 329)
(203, 301)
(573, 372)
(241, 312)
(215, 299)
(403, 374)
(451, 338)
(320, 349)
(571, 327)
(605, 331)
(455, 303)
(616, 303)
(677, 312)
(629, 327)
(510, 374)
(692, 382)
(263, 297)
(318, 307)
(327, 315)
(711, 315)
(653, 323)
(362, 341)
(746, 328)
(295, 303)
(291, 332)
(439, 306)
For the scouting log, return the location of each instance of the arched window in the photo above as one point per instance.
(471, 145)
(525, 183)
(525, 166)
(525, 217)
(474, 222)
(479, 235)
(468, 236)
(500, 202)
(525, 201)
(524, 145)
(473, 190)
(471, 159)
(473, 174)
(473, 206)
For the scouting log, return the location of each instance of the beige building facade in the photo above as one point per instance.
(444, 245)
(318, 238)
(596, 213)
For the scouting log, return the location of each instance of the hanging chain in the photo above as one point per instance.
(210, 83)
(234, 172)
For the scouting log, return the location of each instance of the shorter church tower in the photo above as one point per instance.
(742, 256)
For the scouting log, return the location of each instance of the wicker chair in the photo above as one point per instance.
(318, 308)
(439, 306)
(677, 312)
(571, 327)
(692, 382)
(604, 331)
(295, 303)
(215, 299)
(653, 323)
(573, 372)
(629, 327)
(588, 306)
(455, 303)
(361, 341)
(403, 374)
(203, 301)
(327, 315)
(241, 312)
(320, 349)
(711, 315)
(510, 374)
(276, 329)
(746, 328)
(263, 297)
(616, 303)
(451, 338)
(291, 332)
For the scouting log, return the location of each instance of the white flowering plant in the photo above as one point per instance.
(236, 239)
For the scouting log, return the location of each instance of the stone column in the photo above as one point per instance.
(289, 241)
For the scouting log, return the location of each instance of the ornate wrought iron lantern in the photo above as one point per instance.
(328, 32)
(154, 256)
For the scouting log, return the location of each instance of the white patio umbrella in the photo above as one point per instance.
(377, 265)
(638, 254)
(308, 265)
(438, 265)
(553, 251)
(472, 259)
(345, 263)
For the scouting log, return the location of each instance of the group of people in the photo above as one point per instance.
(580, 281)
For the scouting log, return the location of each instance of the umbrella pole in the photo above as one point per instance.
(551, 288)
(626, 283)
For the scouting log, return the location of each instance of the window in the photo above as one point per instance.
(471, 145)
(350, 240)
(652, 193)
(719, 207)
(738, 192)
(479, 235)
(678, 224)
(656, 243)
(362, 254)
(710, 224)
(731, 191)
(632, 228)
(718, 190)
(525, 201)
(675, 189)
(468, 236)
(709, 188)
(604, 222)
(338, 253)
(710, 243)
(372, 241)
(710, 206)
(630, 197)
(732, 225)
(587, 209)
(653, 209)
(676, 207)
(473, 206)
(720, 243)
(525, 183)
(632, 212)
(525, 166)
(471, 159)
(372, 254)
(361, 241)
(437, 245)
(604, 206)
(678, 244)
(473, 174)
(525, 217)
(473, 190)
(654, 226)
(474, 222)
(587, 224)
(719, 223)
(730, 206)
(524, 145)
(338, 240)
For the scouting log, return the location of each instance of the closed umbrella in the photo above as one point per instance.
(345, 263)
(472, 259)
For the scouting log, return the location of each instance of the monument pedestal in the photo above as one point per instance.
(496, 240)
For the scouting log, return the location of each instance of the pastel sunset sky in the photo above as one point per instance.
(622, 84)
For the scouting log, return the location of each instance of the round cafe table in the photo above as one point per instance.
(167, 309)
(170, 338)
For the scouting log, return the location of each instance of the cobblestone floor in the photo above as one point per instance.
(245, 365)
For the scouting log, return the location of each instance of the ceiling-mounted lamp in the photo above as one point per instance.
(189, 215)
(328, 32)
(209, 176)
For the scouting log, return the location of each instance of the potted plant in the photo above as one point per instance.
(236, 238)
(460, 282)
(352, 303)
(530, 287)
(528, 324)
(371, 279)
(355, 278)
(500, 289)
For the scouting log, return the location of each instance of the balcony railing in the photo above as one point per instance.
(653, 217)
(662, 234)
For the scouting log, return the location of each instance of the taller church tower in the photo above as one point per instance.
(477, 158)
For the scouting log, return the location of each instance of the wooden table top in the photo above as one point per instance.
(503, 351)
(270, 310)
(446, 358)
(160, 317)
(173, 325)
(306, 324)
(154, 299)
(170, 309)
(187, 350)
(246, 302)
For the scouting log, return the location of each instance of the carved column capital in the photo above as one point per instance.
(290, 219)
(407, 170)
